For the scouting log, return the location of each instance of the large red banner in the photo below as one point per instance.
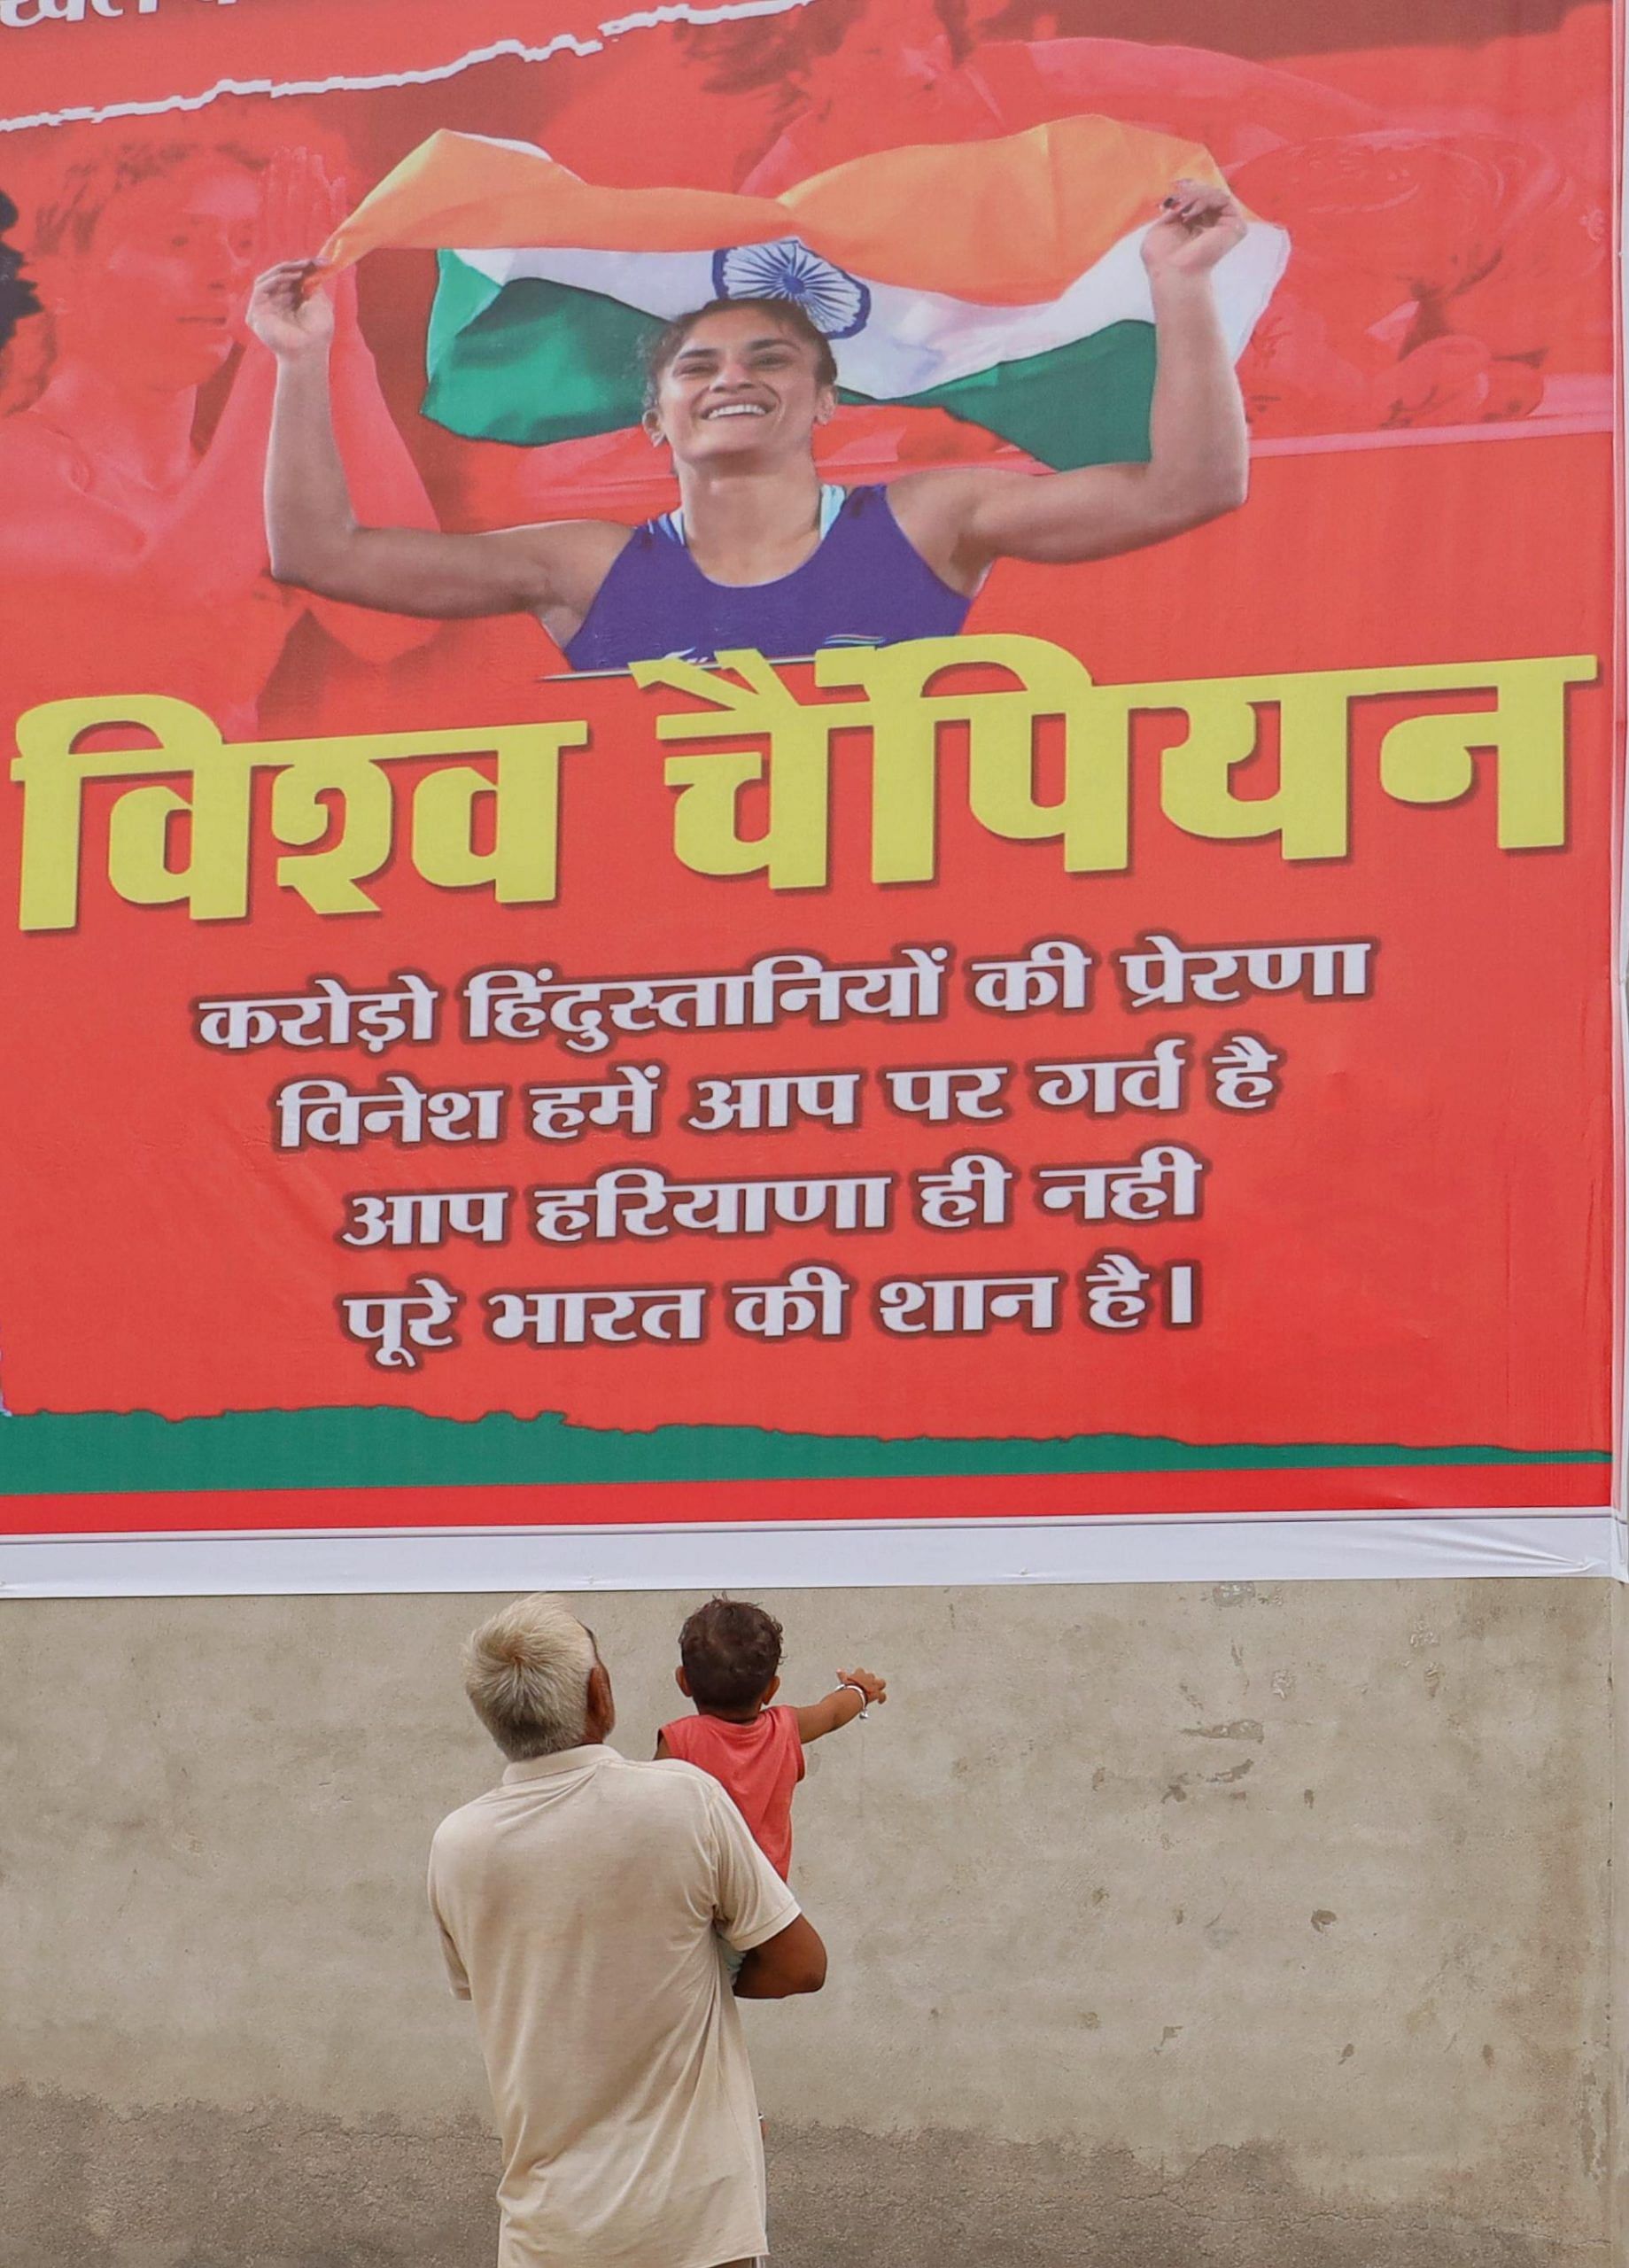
(862, 787)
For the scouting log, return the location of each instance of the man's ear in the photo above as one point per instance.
(651, 422)
(825, 407)
(683, 1683)
(602, 1705)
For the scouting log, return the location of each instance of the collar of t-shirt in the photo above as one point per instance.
(565, 1760)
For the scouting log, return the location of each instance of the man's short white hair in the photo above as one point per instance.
(526, 1673)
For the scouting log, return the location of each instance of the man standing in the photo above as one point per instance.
(581, 1905)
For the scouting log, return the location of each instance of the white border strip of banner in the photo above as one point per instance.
(819, 1555)
(501, 50)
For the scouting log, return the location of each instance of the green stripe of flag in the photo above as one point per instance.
(1087, 403)
(531, 362)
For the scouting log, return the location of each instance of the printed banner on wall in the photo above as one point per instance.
(836, 802)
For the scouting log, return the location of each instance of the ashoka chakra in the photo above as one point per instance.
(835, 301)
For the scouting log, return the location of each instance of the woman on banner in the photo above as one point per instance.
(133, 549)
(759, 554)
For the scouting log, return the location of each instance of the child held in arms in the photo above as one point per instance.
(729, 1654)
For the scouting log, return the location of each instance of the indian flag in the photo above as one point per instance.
(1000, 281)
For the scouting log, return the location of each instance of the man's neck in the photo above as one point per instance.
(748, 526)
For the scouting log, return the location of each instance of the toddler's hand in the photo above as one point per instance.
(874, 1688)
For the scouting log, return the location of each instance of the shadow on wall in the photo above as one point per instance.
(274, 2187)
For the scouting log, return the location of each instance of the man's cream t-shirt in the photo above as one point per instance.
(576, 1904)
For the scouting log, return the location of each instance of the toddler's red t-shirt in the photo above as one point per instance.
(758, 1763)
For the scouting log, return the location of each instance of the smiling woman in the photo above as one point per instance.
(759, 554)
(736, 391)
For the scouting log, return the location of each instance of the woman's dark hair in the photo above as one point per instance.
(670, 340)
(731, 1650)
(17, 293)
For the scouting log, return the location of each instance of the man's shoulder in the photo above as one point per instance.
(684, 1796)
(669, 1781)
(676, 1772)
(467, 1820)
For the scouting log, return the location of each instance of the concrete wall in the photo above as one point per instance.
(1617, 1915)
(1238, 1925)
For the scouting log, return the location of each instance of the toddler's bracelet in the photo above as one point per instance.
(847, 1685)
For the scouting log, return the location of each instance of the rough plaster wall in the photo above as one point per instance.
(1618, 2019)
(1259, 1924)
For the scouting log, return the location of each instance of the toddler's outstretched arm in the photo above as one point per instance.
(857, 1689)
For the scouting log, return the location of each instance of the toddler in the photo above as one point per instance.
(729, 1655)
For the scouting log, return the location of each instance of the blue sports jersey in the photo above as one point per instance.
(865, 584)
